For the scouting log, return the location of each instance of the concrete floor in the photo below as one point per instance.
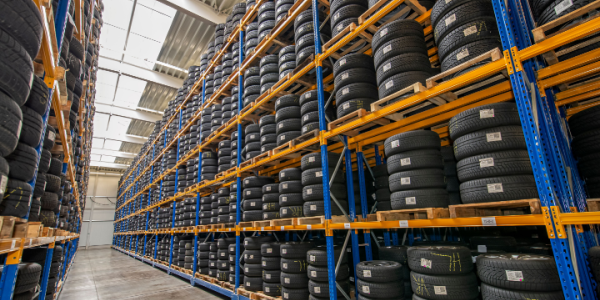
(103, 273)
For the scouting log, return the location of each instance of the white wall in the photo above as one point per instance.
(99, 210)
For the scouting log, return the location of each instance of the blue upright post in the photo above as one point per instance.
(363, 201)
(351, 206)
(238, 183)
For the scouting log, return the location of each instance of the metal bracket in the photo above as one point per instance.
(514, 51)
(560, 229)
(548, 222)
(508, 62)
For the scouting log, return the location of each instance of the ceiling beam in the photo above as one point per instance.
(126, 138)
(107, 165)
(127, 113)
(196, 9)
(112, 65)
(113, 153)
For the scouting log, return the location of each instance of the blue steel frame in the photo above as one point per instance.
(238, 182)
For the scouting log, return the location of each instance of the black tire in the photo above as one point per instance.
(434, 287)
(254, 243)
(253, 284)
(17, 69)
(55, 166)
(28, 276)
(320, 290)
(415, 159)
(585, 120)
(421, 198)
(291, 211)
(440, 260)
(351, 105)
(380, 290)
(315, 176)
(253, 215)
(294, 280)
(31, 132)
(294, 294)
(291, 112)
(11, 119)
(397, 254)
(549, 14)
(286, 101)
(288, 187)
(48, 218)
(288, 125)
(320, 274)
(50, 201)
(460, 15)
(495, 293)
(469, 51)
(23, 162)
(315, 192)
(40, 183)
(290, 265)
(287, 136)
(498, 189)
(52, 183)
(22, 20)
(481, 28)
(523, 272)
(293, 250)
(353, 61)
(257, 181)
(585, 143)
(594, 258)
(400, 81)
(495, 164)
(483, 117)
(396, 29)
(356, 90)
(398, 46)
(271, 262)
(290, 174)
(417, 179)
(489, 140)
(412, 140)
(403, 63)
(379, 271)
(38, 96)
(313, 160)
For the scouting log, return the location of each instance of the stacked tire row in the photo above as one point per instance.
(253, 271)
(294, 278)
(223, 202)
(231, 251)
(584, 128)
(317, 271)
(416, 171)
(252, 195)
(270, 201)
(355, 80)
(287, 119)
(271, 268)
(309, 110)
(267, 130)
(290, 193)
(233, 208)
(223, 261)
(312, 182)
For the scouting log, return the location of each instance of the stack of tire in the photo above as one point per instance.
(215, 117)
(251, 39)
(203, 258)
(188, 250)
(204, 124)
(224, 156)
(180, 210)
(252, 262)
(304, 34)
(355, 82)
(176, 258)
(268, 133)
(214, 205)
(416, 170)
(251, 85)
(150, 248)
(281, 9)
(233, 203)
(223, 258)
(205, 210)
(398, 254)
(38, 256)
(290, 193)
(270, 201)
(342, 14)
(252, 142)
(442, 272)
(223, 202)
(165, 217)
(209, 166)
(181, 178)
(234, 149)
(238, 12)
(231, 250)
(287, 54)
(492, 244)
(235, 57)
(452, 184)
(266, 19)
(49, 204)
(400, 56)
(271, 268)
(518, 276)
(213, 260)
(252, 197)
(309, 110)
(463, 30)
(317, 271)
(234, 101)
(287, 118)
(312, 182)
(226, 110)
(191, 171)
(382, 194)
(219, 33)
(55, 270)
(294, 280)
(269, 69)
(380, 279)
(164, 248)
(493, 162)
(584, 126)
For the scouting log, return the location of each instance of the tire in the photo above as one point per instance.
(498, 189)
(315, 192)
(55, 167)
(288, 125)
(418, 179)
(52, 183)
(288, 187)
(379, 271)
(286, 101)
(495, 293)
(253, 284)
(353, 61)
(254, 243)
(396, 29)
(585, 120)
(23, 162)
(38, 96)
(294, 280)
(50, 201)
(483, 117)
(481, 28)
(295, 294)
(320, 290)
(320, 274)
(489, 140)
(293, 250)
(17, 69)
(549, 14)
(290, 174)
(31, 132)
(355, 91)
(385, 290)
(318, 256)
(415, 159)
(294, 211)
(469, 51)
(397, 254)
(287, 136)
(11, 119)
(315, 176)
(313, 160)
(28, 276)
(421, 198)
(257, 181)
(400, 81)
(292, 112)
(594, 258)
(459, 15)
(22, 20)
(495, 164)
(412, 140)
(585, 143)
(40, 184)
(398, 46)
(271, 262)
(294, 265)
(352, 105)
(254, 215)
(440, 260)
(403, 63)
(463, 286)
(525, 272)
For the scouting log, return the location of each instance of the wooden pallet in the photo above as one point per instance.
(357, 114)
(227, 285)
(242, 291)
(593, 204)
(245, 224)
(261, 296)
(541, 33)
(500, 208)
(410, 214)
(283, 222)
(291, 144)
(319, 220)
(259, 224)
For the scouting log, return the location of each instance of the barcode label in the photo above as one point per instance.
(313, 207)
(383, 32)
(404, 180)
(309, 191)
(268, 188)
(486, 113)
(283, 199)
(493, 137)
(387, 49)
(346, 105)
(365, 289)
(514, 275)
(495, 188)
(395, 143)
(319, 174)
(405, 161)
(440, 290)
(345, 91)
(389, 84)
(345, 75)
(411, 200)
(387, 66)
(313, 273)
(486, 162)
(317, 289)
(425, 263)
(311, 159)
(451, 19)
(462, 54)
(367, 273)
(562, 6)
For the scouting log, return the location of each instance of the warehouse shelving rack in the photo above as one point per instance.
(532, 85)
(53, 29)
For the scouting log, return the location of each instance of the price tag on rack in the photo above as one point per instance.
(282, 228)
(488, 221)
(262, 229)
(308, 227)
(346, 225)
(244, 229)
(403, 224)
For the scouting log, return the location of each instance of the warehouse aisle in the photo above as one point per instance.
(102, 273)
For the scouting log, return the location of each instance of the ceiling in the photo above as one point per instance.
(146, 47)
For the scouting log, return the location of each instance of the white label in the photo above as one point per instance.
(309, 192)
(562, 6)
(336, 16)
(278, 102)
(3, 182)
(286, 280)
(309, 227)
(312, 258)
(389, 84)
(395, 143)
(449, 20)
(311, 159)
(488, 221)
(425, 263)
(404, 180)
(280, 125)
(267, 289)
(383, 32)
(387, 49)
(317, 289)
(306, 117)
(234, 206)
(246, 181)
(222, 254)
(284, 264)
(387, 66)
(283, 199)
(482, 248)
(285, 185)
(365, 289)
(282, 137)
(493, 137)
(248, 283)
(245, 242)
(246, 269)
(411, 200)
(341, 26)
(367, 273)
(403, 224)
(51, 135)
(470, 30)
(252, 203)
(268, 276)
(286, 295)
(514, 275)
(319, 174)
(346, 105)
(486, 162)
(345, 75)
(264, 138)
(284, 210)
(313, 207)
(346, 225)
(269, 250)
(495, 188)
(342, 62)
(440, 290)
(284, 251)
(345, 91)
(462, 54)
(405, 161)
(486, 113)
(262, 229)
(268, 188)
